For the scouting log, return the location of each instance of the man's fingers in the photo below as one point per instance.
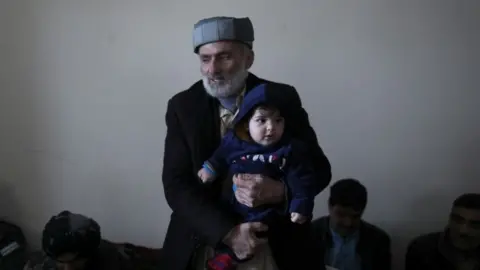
(258, 227)
(243, 198)
(256, 242)
(240, 180)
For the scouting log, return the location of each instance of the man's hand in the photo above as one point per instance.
(243, 241)
(253, 190)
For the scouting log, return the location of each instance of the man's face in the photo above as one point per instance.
(70, 261)
(464, 228)
(344, 220)
(224, 66)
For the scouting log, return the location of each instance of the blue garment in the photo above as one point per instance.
(343, 254)
(285, 161)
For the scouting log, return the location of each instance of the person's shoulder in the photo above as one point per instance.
(425, 242)
(320, 224)
(320, 231)
(254, 80)
(39, 261)
(113, 256)
(190, 95)
(375, 232)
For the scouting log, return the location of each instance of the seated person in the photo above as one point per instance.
(73, 242)
(457, 247)
(343, 238)
(260, 142)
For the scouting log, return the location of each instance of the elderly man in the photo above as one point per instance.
(457, 247)
(73, 242)
(196, 119)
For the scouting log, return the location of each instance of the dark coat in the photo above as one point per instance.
(373, 245)
(424, 252)
(193, 134)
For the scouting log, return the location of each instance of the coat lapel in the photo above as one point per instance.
(207, 126)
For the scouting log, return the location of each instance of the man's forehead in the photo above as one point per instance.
(218, 47)
(466, 213)
(346, 210)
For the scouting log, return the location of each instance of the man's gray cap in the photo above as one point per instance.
(222, 29)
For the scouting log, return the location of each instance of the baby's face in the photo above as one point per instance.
(266, 126)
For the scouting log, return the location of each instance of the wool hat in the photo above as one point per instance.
(222, 29)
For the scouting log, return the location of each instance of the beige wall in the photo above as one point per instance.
(392, 89)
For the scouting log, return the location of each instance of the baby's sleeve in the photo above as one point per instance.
(300, 180)
(218, 162)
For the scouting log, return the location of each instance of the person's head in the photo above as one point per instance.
(348, 199)
(464, 222)
(224, 47)
(71, 240)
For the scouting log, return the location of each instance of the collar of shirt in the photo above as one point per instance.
(343, 254)
(225, 112)
(344, 239)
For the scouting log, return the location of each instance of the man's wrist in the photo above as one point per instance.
(278, 193)
(227, 239)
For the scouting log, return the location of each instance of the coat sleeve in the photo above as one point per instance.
(185, 195)
(303, 131)
(413, 258)
(218, 162)
(301, 180)
(383, 254)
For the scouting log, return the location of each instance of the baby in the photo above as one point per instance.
(260, 142)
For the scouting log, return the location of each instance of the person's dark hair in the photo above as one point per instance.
(468, 200)
(70, 233)
(348, 193)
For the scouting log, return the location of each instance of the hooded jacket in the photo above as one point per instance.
(285, 160)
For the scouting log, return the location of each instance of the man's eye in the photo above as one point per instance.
(225, 57)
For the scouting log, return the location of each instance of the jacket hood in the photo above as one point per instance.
(263, 94)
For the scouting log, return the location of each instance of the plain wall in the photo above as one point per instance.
(392, 88)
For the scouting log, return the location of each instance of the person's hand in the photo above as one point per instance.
(298, 218)
(243, 241)
(253, 190)
(205, 175)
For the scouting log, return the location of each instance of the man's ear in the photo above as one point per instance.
(250, 58)
(330, 208)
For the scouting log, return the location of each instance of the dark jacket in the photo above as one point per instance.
(109, 256)
(373, 245)
(424, 252)
(193, 134)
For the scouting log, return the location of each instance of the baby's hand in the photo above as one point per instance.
(298, 218)
(205, 175)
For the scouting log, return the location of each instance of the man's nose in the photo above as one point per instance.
(213, 67)
(348, 222)
(463, 229)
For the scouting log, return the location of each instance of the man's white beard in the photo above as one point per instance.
(227, 88)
